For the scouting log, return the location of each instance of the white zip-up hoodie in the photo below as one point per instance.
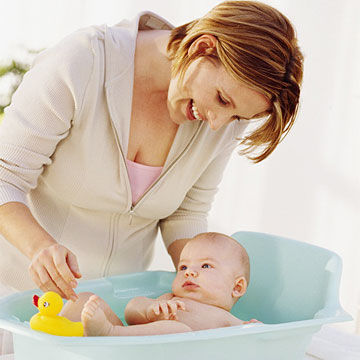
(63, 143)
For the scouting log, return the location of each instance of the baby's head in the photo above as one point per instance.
(213, 269)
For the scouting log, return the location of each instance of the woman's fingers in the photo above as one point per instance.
(65, 278)
(51, 272)
(59, 260)
(42, 279)
(73, 264)
(59, 280)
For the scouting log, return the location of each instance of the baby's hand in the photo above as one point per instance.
(164, 310)
(252, 321)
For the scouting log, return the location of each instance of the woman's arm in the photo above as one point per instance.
(53, 267)
(40, 116)
(190, 218)
(21, 229)
(175, 250)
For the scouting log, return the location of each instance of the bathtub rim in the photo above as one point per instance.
(18, 327)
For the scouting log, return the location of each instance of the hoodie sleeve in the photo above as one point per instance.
(191, 217)
(41, 114)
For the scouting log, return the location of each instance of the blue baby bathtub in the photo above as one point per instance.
(294, 290)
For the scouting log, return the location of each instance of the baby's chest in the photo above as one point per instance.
(201, 317)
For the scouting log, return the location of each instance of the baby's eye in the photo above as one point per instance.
(182, 267)
(206, 266)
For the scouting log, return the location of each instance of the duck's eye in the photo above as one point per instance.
(206, 266)
(46, 304)
(182, 267)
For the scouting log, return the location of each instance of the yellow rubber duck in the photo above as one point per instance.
(47, 320)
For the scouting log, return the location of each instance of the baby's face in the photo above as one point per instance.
(207, 272)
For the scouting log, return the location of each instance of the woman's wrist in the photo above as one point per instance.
(38, 243)
(21, 229)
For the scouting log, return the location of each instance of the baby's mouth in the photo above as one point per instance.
(189, 284)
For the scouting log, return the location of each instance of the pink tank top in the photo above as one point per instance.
(141, 177)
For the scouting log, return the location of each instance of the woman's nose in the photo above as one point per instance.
(215, 120)
(191, 272)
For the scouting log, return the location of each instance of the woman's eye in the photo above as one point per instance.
(222, 100)
(206, 266)
(182, 267)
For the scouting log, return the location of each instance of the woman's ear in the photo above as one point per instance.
(240, 287)
(204, 45)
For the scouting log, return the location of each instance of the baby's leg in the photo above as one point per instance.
(96, 324)
(72, 310)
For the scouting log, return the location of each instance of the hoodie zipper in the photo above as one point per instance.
(112, 242)
(133, 207)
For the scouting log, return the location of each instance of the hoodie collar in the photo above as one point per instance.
(120, 43)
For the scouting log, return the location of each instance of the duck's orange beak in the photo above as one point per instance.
(35, 300)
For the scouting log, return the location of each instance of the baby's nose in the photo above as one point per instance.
(191, 272)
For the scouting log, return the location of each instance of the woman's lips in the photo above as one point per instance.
(190, 116)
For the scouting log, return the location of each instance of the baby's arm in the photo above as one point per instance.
(135, 311)
(233, 321)
(97, 324)
(142, 310)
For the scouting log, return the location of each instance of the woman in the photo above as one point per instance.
(117, 132)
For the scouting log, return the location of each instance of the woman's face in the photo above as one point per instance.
(208, 93)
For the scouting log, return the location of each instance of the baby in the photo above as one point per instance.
(213, 273)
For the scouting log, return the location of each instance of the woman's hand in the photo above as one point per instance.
(55, 268)
(164, 310)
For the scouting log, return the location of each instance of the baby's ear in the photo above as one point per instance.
(240, 287)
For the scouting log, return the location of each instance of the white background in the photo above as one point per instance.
(309, 188)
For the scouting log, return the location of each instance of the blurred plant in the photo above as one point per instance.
(12, 74)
